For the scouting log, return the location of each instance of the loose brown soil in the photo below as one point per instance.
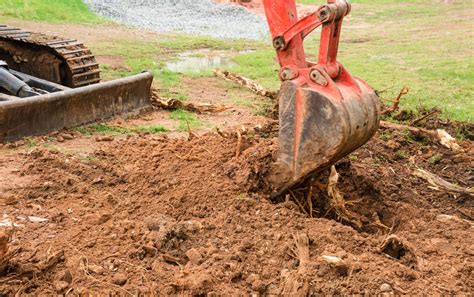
(165, 215)
(151, 214)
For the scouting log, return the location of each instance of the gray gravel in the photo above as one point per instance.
(197, 17)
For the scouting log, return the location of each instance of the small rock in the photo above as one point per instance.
(258, 285)
(47, 184)
(61, 286)
(10, 200)
(120, 279)
(104, 138)
(385, 288)
(59, 138)
(67, 136)
(444, 218)
(150, 250)
(104, 218)
(154, 226)
(95, 269)
(338, 264)
(34, 219)
(332, 259)
(252, 278)
(194, 256)
(97, 180)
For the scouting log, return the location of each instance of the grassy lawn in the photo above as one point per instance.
(152, 55)
(423, 44)
(60, 11)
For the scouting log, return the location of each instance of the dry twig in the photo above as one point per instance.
(440, 135)
(396, 101)
(246, 82)
(171, 103)
(239, 144)
(416, 121)
(440, 184)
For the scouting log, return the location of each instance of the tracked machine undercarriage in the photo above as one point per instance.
(48, 83)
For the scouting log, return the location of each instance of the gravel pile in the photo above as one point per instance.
(197, 17)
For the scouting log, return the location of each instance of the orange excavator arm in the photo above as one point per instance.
(324, 112)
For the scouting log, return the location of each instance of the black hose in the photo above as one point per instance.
(14, 85)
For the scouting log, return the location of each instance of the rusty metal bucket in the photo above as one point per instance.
(20, 117)
(325, 113)
(318, 128)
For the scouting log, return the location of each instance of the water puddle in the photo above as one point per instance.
(199, 60)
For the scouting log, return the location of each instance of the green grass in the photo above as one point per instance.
(103, 129)
(425, 45)
(184, 119)
(152, 55)
(61, 11)
(391, 44)
(262, 106)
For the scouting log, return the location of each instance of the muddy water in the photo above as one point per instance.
(201, 60)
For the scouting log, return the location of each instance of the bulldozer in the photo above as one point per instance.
(48, 83)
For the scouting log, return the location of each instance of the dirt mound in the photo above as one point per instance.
(148, 214)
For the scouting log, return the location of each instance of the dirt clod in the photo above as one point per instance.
(120, 279)
(190, 217)
(61, 286)
(385, 288)
(194, 256)
(4, 240)
(104, 138)
(95, 269)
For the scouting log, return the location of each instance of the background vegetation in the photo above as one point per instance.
(425, 45)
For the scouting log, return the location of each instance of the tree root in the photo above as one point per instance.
(337, 202)
(440, 135)
(440, 184)
(296, 282)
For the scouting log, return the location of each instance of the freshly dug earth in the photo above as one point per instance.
(150, 214)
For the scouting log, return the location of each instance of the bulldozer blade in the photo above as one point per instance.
(20, 117)
(318, 129)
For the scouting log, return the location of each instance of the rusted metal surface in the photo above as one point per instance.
(65, 109)
(316, 131)
(325, 113)
(63, 61)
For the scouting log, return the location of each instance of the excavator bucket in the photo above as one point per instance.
(48, 83)
(324, 112)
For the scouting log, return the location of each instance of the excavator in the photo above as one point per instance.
(49, 83)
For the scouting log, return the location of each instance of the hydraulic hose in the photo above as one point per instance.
(14, 85)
